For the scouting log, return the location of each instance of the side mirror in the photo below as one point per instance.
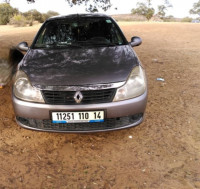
(136, 41)
(23, 46)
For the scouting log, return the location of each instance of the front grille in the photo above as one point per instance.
(108, 124)
(89, 97)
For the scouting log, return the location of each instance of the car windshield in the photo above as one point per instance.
(78, 32)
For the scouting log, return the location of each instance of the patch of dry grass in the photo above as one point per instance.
(10, 36)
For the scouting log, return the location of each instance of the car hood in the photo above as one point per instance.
(79, 66)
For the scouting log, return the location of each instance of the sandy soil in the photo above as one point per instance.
(163, 152)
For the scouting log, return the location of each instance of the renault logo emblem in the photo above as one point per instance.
(78, 97)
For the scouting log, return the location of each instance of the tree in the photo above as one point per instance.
(144, 9)
(6, 12)
(49, 14)
(34, 15)
(163, 8)
(7, 1)
(196, 8)
(91, 5)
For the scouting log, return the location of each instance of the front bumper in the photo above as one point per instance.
(119, 115)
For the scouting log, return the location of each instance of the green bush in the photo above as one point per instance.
(49, 14)
(186, 19)
(170, 19)
(33, 15)
(18, 20)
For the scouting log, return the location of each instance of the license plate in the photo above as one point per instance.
(77, 117)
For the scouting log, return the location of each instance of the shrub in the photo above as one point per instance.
(18, 20)
(186, 19)
(49, 14)
(170, 19)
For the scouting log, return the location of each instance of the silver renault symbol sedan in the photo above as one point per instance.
(79, 75)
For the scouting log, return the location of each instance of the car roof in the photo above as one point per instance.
(77, 16)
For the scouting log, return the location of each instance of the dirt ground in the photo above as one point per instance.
(163, 152)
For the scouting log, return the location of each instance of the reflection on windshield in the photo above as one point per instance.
(79, 32)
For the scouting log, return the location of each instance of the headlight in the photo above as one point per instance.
(135, 85)
(24, 90)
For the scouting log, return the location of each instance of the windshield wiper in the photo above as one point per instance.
(96, 43)
(105, 44)
(69, 45)
(109, 44)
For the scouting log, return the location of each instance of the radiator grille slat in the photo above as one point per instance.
(89, 97)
